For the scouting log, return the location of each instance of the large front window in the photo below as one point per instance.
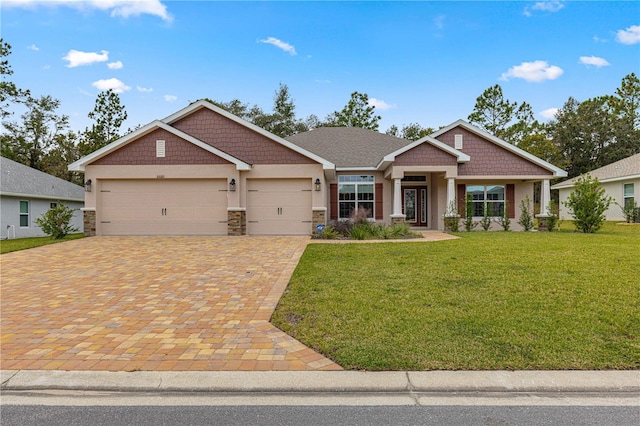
(489, 198)
(355, 193)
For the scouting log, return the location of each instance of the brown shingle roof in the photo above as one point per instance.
(348, 146)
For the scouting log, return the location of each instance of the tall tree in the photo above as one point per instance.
(283, 119)
(63, 152)
(9, 93)
(502, 118)
(357, 113)
(625, 106)
(108, 114)
(28, 141)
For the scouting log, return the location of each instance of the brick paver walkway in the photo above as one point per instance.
(151, 303)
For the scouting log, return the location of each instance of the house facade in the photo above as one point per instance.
(26, 194)
(204, 171)
(620, 180)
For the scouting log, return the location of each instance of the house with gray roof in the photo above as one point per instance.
(205, 171)
(620, 180)
(27, 193)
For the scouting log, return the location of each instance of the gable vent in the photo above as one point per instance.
(458, 142)
(160, 150)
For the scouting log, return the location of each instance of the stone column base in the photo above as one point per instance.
(89, 223)
(319, 218)
(397, 218)
(236, 223)
(542, 224)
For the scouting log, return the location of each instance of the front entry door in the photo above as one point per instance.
(414, 205)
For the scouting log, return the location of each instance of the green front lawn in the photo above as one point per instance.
(7, 246)
(497, 300)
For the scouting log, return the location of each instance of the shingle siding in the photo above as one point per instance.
(237, 140)
(143, 152)
(425, 155)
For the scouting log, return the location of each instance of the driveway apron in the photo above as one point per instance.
(151, 303)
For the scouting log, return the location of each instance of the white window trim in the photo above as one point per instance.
(373, 201)
(633, 193)
(485, 201)
(27, 214)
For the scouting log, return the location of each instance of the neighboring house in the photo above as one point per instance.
(205, 171)
(620, 180)
(26, 194)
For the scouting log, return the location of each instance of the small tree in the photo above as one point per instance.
(485, 222)
(451, 218)
(587, 204)
(526, 215)
(504, 220)
(552, 219)
(56, 221)
(468, 222)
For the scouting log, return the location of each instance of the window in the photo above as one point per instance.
(24, 214)
(627, 196)
(490, 197)
(354, 193)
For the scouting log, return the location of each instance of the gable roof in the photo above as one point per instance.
(22, 181)
(349, 147)
(327, 165)
(460, 156)
(557, 172)
(81, 163)
(627, 168)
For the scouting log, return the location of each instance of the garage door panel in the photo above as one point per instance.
(279, 207)
(163, 207)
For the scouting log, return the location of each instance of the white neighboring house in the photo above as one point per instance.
(26, 193)
(621, 180)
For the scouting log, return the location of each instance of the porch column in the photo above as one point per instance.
(451, 197)
(545, 198)
(397, 216)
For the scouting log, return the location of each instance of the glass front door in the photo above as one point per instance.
(414, 205)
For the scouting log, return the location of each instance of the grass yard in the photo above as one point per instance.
(488, 301)
(7, 246)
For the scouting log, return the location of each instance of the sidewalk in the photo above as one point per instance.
(324, 381)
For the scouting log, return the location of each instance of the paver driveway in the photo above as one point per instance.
(151, 303)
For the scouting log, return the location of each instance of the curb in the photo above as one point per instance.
(323, 381)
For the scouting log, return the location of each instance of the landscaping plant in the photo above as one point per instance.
(526, 215)
(587, 204)
(451, 218)
(468, 222)
(552, 219)
(485, 222)
(56, 222)
(504, 220)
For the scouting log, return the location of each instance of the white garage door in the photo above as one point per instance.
(163, 207)
(279, 207)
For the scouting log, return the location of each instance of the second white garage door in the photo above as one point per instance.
(163, 207)
(279, 207)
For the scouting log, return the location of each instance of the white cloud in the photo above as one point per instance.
(599, 40)
(144, 89)
(46, 67)
(117, 8)
(323, 81)
(438, 21)
(77, 58)
(544, 6)
(280, 45)
(115, 65)
(549, 113)
(111, 83)
(33, 47)
(170, 98)
(380, 104)
(535, 71)
(629, 36)
(594, 60)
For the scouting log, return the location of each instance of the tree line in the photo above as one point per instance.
(581, 137)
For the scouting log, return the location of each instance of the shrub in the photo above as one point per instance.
(587, 204)
(631, 212)
(468, 222)
(504, 220)
(552, 219)
(328, 233)
(56, 221)
(360, 232)
(451, 218)
(485, 222)
(526, 215)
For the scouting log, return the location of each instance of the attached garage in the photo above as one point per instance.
(163, 207)
(279, 206)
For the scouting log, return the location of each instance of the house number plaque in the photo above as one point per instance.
(160, 176)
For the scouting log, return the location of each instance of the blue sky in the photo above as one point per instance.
(423, 62)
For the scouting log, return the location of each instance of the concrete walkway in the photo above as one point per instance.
(151, 303)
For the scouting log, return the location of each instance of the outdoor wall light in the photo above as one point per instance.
(317, 183)
(87, 185)
(232, 185)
